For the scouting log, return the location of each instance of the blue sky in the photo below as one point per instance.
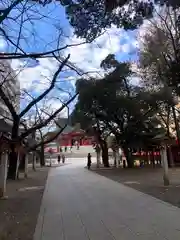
(45, 29)
(42, 34)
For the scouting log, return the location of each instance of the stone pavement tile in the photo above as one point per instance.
(73, 228)
(52, 227)
(82, 205)
(77, 206)
(143, 219)
(143, 214)
(93, 224)
(39, 226)
(149, 237)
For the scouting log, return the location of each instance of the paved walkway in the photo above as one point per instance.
(80, 205)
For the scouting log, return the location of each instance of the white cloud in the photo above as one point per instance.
(126, 48)
(36, 77)
(3, 43)
(89, 56)
(55, 105)
(50, 106)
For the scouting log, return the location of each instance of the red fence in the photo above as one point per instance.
(175, 150)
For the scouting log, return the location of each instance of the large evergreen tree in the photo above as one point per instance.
(115, 104)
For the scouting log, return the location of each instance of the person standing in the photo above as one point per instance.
(59, 159)
(63, 158)
(89, 161)
(78, 144)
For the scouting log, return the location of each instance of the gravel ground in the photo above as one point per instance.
(18, 213)
(147, 180)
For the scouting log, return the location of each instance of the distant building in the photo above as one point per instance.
(73, 134)
(69, 136)
(11, 87)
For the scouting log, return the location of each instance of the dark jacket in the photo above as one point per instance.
(89, 160)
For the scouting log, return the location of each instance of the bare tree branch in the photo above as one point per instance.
(9, 39)
(35, 101)
(5, 12)
(36, 55)
(45, 123)
(48, 140)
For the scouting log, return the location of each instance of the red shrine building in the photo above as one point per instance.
(69, 139)
(71, 136)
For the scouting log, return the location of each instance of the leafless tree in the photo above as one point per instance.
(20, 129)
(159, 50)
(18, 20)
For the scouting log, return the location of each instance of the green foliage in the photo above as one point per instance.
(126, 111)
(90, 17)
(112, 4)
(109, 62)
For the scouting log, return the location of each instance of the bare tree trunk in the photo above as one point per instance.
(17, 166)
(13, 156)
(104, 147)
(170, 157)
(42, 159)
(105, 157)
(128, 156)
(26, 166)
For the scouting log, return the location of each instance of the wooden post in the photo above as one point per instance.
(114, 156)
(3, 174)
(165, 165)
(117, 157)
(26, 166)
(34, 161)
(152, 158)
(50, 161)
(171, 159)
(149, 158)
